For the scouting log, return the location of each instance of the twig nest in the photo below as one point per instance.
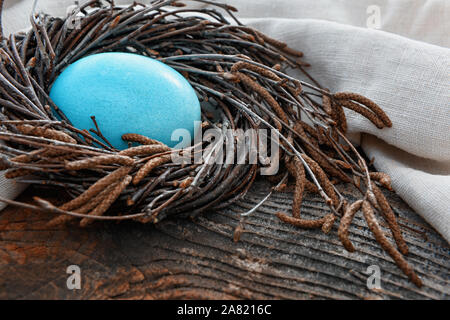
(234, 69)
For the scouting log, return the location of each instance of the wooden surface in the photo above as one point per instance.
(198, 259)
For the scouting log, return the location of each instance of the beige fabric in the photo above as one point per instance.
(407, 73)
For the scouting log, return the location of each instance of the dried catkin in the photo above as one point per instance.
(362, 111)
(25, 158)
(300, 130)
(99, 160)
(346, 220)
(144, 150)
(90, 205)
(297, 170)
(302, 223)
(264, 94)
(274, 42)
(46, 133)
(96, 188)
(262, 71)
(107, 202)
(366, 102)
(383, 178)
(149, 166)
(16, 173)
(323, 180)
(329, 222)
(310, 130)
(311, 187)
(342, 164)
(391, 219)
(292, 52)
(326, 104)
(339, 117)
(323, 162)
(321, 136)
(134, 137)
(387, 246)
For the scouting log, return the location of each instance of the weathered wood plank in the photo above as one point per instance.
(198, 259)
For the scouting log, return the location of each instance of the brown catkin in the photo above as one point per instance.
(273, 42)
(302, 223)
(323, 162)
(391, 219)
(65, 218)
(366, 102)
(99, 160)
(292, 52)
(326, 104)
(46, 133)
(264, 94)
(383, 178)
(16, 173)
(58, 159)
(323, 180)
(311, 187)
(321, 136)
(97, 199)
(107, 201)
(342, 164)
(387, 246)
(329, 222)
(300, 130)
(262, 71)
(297, 170)
(310, 130)
(134, 137)
(339, 117)
(26, 158)
(362, 111)
(96, 188)
(144, 150)
(346, 220)
(149, 166)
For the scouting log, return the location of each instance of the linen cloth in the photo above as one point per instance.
(404, 66)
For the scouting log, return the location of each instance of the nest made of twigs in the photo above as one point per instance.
(235, 68)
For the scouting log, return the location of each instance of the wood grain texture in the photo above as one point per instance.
(198, 259)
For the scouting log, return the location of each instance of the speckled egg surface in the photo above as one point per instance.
(127, 93)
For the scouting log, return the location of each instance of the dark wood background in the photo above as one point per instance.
(184, 259)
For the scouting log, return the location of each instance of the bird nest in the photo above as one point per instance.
(234, 69)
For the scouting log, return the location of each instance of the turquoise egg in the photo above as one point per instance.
(127, 93)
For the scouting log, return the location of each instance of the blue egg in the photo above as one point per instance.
(128, 93)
